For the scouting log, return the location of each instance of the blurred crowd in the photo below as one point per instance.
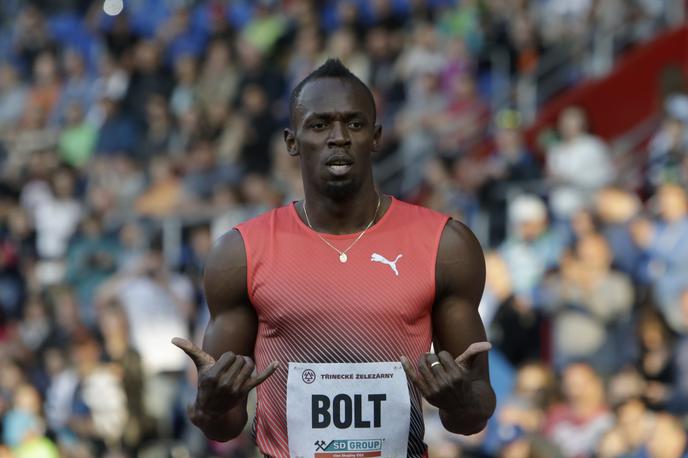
(129, 143)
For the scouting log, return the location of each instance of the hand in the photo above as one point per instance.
(446, 385)
(224, 383)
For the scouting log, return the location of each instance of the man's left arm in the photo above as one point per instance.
(455, 378)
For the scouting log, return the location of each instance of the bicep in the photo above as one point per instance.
(233, 330)
(233, 322)
(460, 283)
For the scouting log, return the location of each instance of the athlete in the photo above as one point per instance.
(329, 305)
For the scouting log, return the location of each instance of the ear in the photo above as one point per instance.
(290, 141)
(377, 138)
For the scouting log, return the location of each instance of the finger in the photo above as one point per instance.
(255, 381)
(198, 356)
(228, 376)
(450, 366)
(466, 358)
(438, 370)
(427, 373)
(244, 374)
(222, 365)
(413, 375)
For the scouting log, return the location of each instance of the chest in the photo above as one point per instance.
(303, 279)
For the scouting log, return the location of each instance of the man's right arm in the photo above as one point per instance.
(225, 364)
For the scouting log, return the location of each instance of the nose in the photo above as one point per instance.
(339, 136)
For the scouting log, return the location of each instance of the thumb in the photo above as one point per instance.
(198, 356)
(466, 358)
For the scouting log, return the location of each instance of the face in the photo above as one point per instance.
(673, 204)
(594, 251)
(334, 134)
(580, 383)
(572, 123)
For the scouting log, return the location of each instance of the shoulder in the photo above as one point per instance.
(460, 265)
(224, 278)
(227, 250)
(263, 220)
(458, 240)
(423, 213)
(418, 220)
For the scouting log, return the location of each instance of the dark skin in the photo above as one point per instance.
(334, 118)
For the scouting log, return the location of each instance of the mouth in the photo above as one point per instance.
(339, 165)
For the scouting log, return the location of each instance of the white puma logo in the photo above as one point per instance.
(392, 264)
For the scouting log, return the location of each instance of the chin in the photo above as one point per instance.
(340, 189)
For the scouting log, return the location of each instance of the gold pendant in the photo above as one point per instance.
(343, 258)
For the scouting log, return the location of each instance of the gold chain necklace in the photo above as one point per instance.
(342, 254)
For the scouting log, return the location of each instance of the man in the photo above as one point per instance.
(335, 295)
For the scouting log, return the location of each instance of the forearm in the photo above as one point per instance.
(470, 414)
(220, 427)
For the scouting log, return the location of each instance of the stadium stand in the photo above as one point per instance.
(557, 129)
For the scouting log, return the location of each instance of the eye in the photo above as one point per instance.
(318, 125)
(355, 124)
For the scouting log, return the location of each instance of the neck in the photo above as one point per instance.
(342, 215)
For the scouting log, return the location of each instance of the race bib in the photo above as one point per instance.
(355, 410)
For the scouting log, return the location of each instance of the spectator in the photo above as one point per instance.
(157, 136)
(413, 127)
(91, 259)
(257, 70)
(462, 125)
(616, 209)
(167, 118)
(676, 396)
(219, 77)
(255, 152)
(666, 246)
(306, 55)
(78, 138)
(532, 247)
(590, 304)
(164, 192)
(667, 153)
(114, 327)
(57, 217)
(97, 415)
(12, 282)
(12, 96)
(511, 168)
(46, 89)
(514, 326)
(265, 28)
(520, 419)
(577, 425)
(342, 43)
(578, 165)
(118, 134)
(630, 432)
(179, 36)
(31, 37)
(184, 93)
(77, 88)
(229, 129)
(23, 428)
(34, 137)
(148, 78)
(111, 83)
(667, 439)
(204, 174)
(656, 362)
(157, 303)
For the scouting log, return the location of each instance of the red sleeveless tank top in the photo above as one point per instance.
(314, 309)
